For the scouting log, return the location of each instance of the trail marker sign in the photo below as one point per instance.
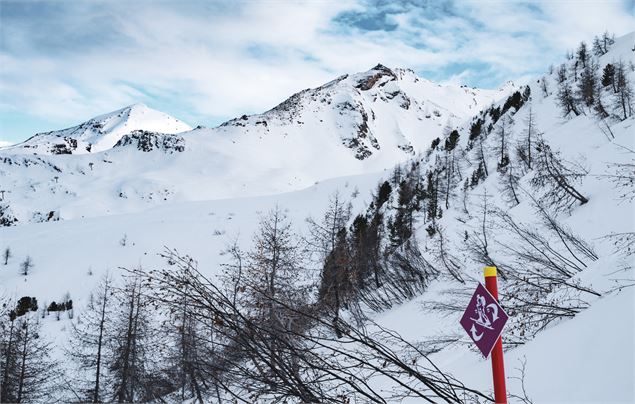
(484, 320)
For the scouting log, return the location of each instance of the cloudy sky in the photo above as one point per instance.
(64, 61)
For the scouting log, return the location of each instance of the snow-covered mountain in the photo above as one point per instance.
(134, 158)
(100, 133)
(381, 115)
(472, 198)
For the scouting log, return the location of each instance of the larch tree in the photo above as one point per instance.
(503, 134)
(26, 266)
(6, 255)
(527, 142)
(567, 99)
(623, 97)
(89, 345)
(557, 178)
(130, 367)
(28, 372)
(323, 232)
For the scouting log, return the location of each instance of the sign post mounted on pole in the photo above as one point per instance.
(484, 320)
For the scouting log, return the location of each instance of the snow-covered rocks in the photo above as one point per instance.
(147, 141)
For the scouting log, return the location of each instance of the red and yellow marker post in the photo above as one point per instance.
(498, 366)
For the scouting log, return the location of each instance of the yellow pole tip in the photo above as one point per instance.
(490, 271)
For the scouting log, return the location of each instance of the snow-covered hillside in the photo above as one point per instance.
(99, 133)
(441, 180)
(132, 159)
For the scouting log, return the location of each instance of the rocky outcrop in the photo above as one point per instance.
(149, 141)
(380, 71)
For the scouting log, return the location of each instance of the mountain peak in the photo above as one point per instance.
(103, 132)
(373, 76)
(508, 86)
(381, 67)
(137, 105)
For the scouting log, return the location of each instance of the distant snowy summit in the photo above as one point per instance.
(102, 132)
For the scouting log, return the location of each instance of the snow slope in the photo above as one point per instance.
(64, 251)
(589, 358)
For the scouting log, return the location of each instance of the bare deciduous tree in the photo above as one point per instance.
(29, 374)
(26, 265)
(556, 178)
(319, 360)
(6, 255)
(89, 346)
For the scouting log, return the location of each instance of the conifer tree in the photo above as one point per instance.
(433, 195)
(608, 76)
(606, 41)
(402, 226)
(272, 284)
(598, 48)
(561, 74)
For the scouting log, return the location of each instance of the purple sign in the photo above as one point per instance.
(484, 320)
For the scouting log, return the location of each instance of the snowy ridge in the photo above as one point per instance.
(381, 114)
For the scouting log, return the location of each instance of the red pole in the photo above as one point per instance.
(498, 367)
